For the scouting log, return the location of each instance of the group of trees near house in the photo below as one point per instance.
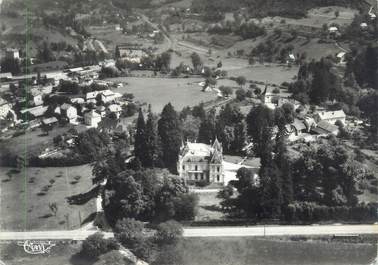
(228, 126)
(90, 146)
(317, 82)
(158, 141)
(130, 234)
(320, 82)
(363, 64)
(320, 178)
(144, 194)
(248, 30)
(11, 65)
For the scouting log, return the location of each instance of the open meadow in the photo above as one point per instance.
(221, 251)
(34, 141)
(209, 207)
(180, 92)
(247, 251)
(25, 198)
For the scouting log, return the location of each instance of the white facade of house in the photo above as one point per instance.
(4, 109)
(331, 116)
(115, 108)
(101, 110)
(201, 162)
(106, 96)
(69, 111)
(92, 118)
(37, 100)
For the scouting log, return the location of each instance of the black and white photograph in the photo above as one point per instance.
(188, 132)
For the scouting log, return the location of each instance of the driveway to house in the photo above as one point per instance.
(236, 231)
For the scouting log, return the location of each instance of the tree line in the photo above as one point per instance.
(294, 184)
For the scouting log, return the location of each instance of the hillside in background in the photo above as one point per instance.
(262, 8)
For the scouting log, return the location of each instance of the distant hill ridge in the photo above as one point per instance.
(261, 8)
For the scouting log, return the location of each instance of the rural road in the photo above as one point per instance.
(238, 231)
(280, 230)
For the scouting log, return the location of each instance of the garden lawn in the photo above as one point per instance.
(209, 207)
(23, 208)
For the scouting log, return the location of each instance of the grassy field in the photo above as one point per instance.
(316, 17)
(247, 251)
(22, 206)
(62, 253)
(209, 207)
(35, 141)
(183, 92)
(180, 92)
(221, 251)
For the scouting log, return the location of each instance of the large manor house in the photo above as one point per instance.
(201, 162)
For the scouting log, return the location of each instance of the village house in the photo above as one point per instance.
(90, 97)
(131, 53)
(5, 77)
(325, 128)
(297, 128)
(105, 95)
(11, 53)
(32, 113)
(69, 111)
(36, 97)
(363, 26)
(50, 121)
(333, 31)
(77, 101)
(108, 63)
(330, 116)
(101, 110)
(116, 109)
(201, 162)
(5, 107)
(341, 58)
(108, 96)
(92, 118)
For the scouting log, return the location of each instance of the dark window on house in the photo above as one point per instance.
(196, 168)
(201, 176)
(183, 167)
(218, 178)
(218, 168)
(196, 176)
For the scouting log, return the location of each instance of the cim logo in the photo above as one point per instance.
(37, 247)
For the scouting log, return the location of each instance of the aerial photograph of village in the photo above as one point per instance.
(188, 132)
